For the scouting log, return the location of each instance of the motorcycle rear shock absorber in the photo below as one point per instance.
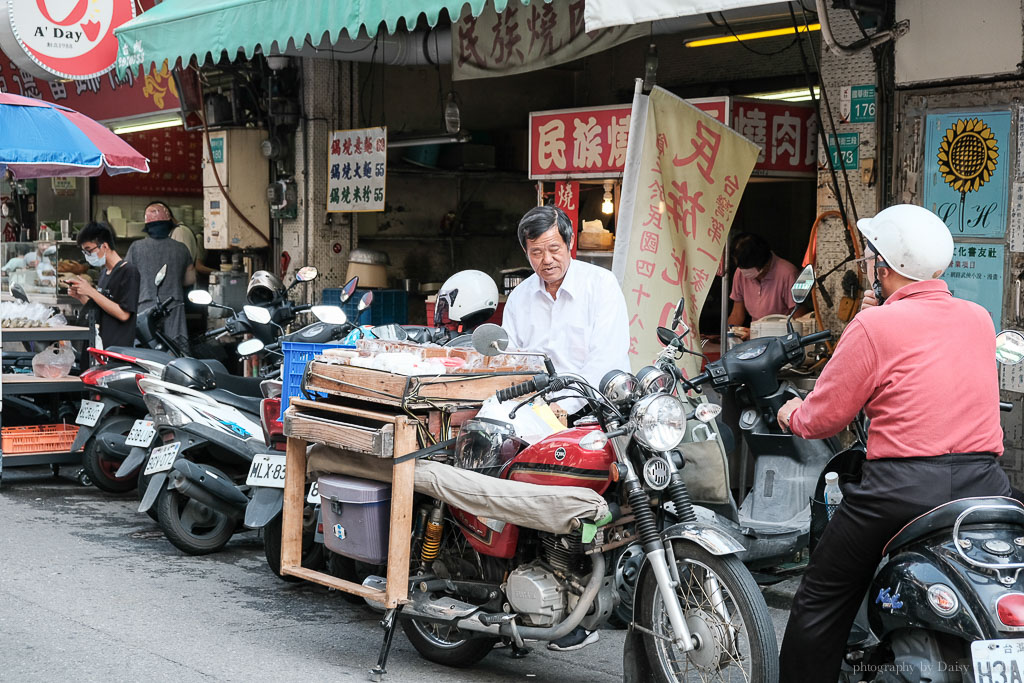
(680, 497)
(432, 537)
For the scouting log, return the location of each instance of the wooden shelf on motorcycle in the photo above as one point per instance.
(422, 392)
(361, 430)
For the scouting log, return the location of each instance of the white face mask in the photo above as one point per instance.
(95, 259)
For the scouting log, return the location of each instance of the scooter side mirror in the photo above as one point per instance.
(249, 347)
(678, 314)
(349, 289)
(1009, 347)
(803, 284)
(666, 336)
(257, 314)
(332, 315)
(365, 301)
(200, 297)
(306, 273)
(490, 339)
(160, 275)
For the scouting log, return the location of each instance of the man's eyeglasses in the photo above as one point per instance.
(862, 263)
(90, 252)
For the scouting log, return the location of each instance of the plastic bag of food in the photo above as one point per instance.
(54, 361)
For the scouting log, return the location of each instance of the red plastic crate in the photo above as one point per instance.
(38, 438)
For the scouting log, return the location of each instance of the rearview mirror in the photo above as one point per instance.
(802, 287)
(160, 275)
(1009, 347)
(249, 347)
(332, 315)
(349, 289)
(490, 339)
(678, 314)
(365, 301)
(306, 273)
(200, 297)
(390, 333)
(257, 314)
(666, 336)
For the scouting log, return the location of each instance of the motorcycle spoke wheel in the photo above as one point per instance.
(725, 613)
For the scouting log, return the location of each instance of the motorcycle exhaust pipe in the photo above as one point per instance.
(195, 481)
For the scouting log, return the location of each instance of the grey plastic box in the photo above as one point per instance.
(356, 515)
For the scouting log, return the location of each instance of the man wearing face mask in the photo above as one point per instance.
(761, 285)
(113, 302)
(152, 253)
(903, 362)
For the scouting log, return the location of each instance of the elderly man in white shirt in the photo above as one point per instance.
(570, 310)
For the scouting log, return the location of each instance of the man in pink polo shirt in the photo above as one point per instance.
(762, 283)
(909, 363)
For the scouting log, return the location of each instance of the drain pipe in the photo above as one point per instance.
(899, 29)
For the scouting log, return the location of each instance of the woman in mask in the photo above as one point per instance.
(149, 255)
(761, 285)
(114, 301)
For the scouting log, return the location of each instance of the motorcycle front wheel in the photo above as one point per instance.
(725, 612)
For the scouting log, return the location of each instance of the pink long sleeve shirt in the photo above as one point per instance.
(923, 367)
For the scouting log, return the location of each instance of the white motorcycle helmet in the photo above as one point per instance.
(264, 288)
(469, 298)
(911, 239)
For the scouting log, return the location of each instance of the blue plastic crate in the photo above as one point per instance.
(296, 356)
(389, 305)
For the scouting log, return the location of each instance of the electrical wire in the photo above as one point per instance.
(726, 26)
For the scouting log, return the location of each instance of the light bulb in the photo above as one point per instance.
(606, 206)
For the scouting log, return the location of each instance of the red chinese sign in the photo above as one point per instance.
(567, 198)
(100, 97)
(175, 159)
(591, 142)
(57, 38)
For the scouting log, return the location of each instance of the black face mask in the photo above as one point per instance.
(159, 229)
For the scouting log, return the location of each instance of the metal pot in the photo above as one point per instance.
(368, 256)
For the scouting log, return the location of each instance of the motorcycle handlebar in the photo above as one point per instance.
(814, 337)
(1006, 406)
(215, 333)
(538, 383)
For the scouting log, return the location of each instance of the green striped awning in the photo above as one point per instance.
(200, 28)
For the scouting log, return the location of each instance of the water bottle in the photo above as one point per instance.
(833, 494)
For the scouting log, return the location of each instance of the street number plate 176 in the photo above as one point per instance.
(266, 470)
(998, 660)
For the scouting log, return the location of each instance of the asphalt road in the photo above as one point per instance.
(91, 591)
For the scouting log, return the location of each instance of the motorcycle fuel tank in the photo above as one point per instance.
(561, 460)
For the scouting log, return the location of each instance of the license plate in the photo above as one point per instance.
(267, 470)
(314, 493)
(142, 434)
(89, 413)
(998, 660)
(161, 459)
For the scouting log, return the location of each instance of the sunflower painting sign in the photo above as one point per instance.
(966, 171)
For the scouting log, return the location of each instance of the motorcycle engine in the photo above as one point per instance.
(536, 595)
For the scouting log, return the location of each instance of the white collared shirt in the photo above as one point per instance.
(585, 330)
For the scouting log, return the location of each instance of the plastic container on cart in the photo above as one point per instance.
(38, 438)
(296, 356)
(356, 517)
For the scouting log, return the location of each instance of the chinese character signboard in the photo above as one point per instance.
(522, 39)
(691, 173)
(357, 169)
(976, 274)
(591, 142)
(965, 171)
(567, 198)
(175, 157)
(61, 39)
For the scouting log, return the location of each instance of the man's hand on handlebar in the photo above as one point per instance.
(787, 410)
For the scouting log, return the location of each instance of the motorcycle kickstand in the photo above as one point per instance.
(388, 623)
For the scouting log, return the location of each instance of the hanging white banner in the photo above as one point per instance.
(605, 13)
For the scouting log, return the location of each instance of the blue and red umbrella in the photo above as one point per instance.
(39, 139)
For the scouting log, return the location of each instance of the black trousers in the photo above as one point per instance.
(891, 493)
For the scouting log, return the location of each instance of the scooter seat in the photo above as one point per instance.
(247, 403)
(243, 386)
(945, 516)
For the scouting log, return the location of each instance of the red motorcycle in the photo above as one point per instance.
(477, 579)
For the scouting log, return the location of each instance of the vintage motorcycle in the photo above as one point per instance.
(697, 615)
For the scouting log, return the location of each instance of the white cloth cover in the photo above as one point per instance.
(598, 14)
(546, 508)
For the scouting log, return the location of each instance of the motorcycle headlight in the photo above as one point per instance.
(653, 379)
(660, 421)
